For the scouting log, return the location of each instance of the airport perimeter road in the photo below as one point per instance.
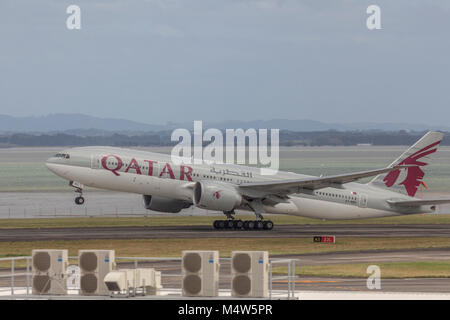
(195, 232)
(359, 285)
(374, 256)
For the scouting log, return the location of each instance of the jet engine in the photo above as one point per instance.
(163, 204)
(213, 196)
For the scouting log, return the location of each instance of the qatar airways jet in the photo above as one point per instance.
(168, 187)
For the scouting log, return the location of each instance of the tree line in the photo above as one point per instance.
(163, 138)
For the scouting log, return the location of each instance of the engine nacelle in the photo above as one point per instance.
(163, 204)
(213, 196)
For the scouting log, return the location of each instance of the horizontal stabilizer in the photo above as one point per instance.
(417, 202)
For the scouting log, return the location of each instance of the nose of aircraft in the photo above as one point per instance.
(49, 163)
(58, 163)
(57, 167)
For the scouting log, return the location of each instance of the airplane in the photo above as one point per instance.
(167, 187)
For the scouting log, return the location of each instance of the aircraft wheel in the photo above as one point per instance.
(229, 224)
(268, 225)
(221, 224)
(259, 225)
(238, 224)
(216, 225)
(79, 200)
(246, 225)
(251, 225)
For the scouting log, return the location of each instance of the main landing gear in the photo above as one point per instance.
(78, 189)
(243, 225)
(232, 224)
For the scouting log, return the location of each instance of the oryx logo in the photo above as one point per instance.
(216, 195)
(414, 174)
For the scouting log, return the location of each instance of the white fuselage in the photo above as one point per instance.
(155, 174)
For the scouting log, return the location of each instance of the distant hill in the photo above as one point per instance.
(67, 122)
(313, 125)
(80, 124)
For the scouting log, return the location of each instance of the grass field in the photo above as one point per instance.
(29, 176)
(173, 247)
(392, 270)
(204, 220)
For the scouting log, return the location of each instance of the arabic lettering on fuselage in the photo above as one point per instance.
(231, 172)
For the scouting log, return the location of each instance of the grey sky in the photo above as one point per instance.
(176, 60)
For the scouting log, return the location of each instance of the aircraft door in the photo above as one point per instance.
(95, 162)
(363, 200)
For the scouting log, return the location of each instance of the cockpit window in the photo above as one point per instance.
(62, 155)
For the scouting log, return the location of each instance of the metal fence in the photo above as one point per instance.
(19, 279)
(84, 211)
(18, 212)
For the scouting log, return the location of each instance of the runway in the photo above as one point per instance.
(190, 232)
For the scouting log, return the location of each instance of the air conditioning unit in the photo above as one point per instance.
(250, 274)
(94, 266)
(200, 273)
(120, 280)
(149, 279)
(141, 281)
(73, 277)
(49, 271)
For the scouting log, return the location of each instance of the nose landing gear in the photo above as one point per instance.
(79, 200)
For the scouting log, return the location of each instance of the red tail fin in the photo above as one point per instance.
(422, 149)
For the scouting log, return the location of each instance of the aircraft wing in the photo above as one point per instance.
(417, 202)
(284, 187)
